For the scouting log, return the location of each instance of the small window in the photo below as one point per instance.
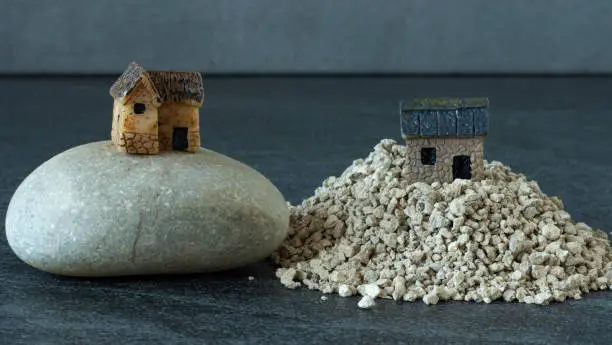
(139, 108)
(428, 155)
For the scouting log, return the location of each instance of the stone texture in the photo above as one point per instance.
(446, 149)
(138, 143)
(94, 211)
(126, 123)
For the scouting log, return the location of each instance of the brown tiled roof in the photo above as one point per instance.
(178, 86)
(173, 86)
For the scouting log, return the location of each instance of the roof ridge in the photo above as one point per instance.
(444, 103)
(168, 85)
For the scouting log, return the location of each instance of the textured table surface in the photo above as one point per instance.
(297, 132)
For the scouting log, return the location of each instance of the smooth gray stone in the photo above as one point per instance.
(93, 211)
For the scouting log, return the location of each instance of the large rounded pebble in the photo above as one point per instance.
(93, 211)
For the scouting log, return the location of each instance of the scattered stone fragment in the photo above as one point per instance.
(431, 298)
(370, 232)
(366, 302)
(346, 290)
(371, 290)
(287, 277)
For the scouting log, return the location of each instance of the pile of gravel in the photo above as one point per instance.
(370, 232)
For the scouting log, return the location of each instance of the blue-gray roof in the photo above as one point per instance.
(444, 117)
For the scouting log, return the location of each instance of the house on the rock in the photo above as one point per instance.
(444, 138)
(156, 110)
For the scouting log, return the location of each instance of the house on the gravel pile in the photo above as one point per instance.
(445, 138)
(156, 110)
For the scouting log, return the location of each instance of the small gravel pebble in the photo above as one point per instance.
(366, 302)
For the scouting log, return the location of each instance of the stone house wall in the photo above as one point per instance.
(173, 115)
(151, 131)
(138, 143)
(136, 133)
(446, 149)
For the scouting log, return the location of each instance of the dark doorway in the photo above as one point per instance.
(462, 167)
(179, 139)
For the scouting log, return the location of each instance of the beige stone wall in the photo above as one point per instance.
(179, 115)
(446, 149)
(138, 143)
(128, 127)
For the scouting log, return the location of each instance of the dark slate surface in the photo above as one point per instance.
(447, 122)
(428, 120)
(481, 121)
(411, 124)
(465, 123)
(297, 132)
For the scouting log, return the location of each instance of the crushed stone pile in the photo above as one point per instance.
(369, 232)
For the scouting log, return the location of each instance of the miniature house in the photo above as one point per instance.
(156, 110)
(444, 138)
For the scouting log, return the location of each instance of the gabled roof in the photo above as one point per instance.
(170, 86)
(126, 82)
(444, 117)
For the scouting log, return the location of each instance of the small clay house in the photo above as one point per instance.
(445, 138)
(156, 110)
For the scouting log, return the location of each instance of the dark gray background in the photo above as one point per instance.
(258, 36)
